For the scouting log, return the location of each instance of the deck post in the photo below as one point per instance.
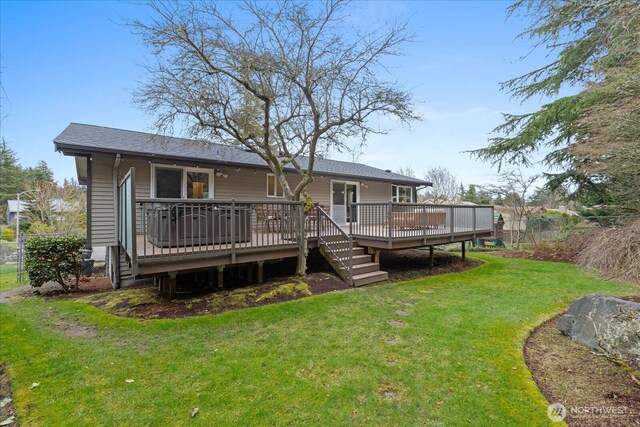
(172, 284)
(430, 256)
(452, 221)
(260, 271)
(474, 222)
(300, 231)
(389, 220)
(233, 231)
(464, 249)
(211, 278)
(376, 254)
(221, 276)
(317, 208)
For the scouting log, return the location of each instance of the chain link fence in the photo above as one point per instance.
(539, 228)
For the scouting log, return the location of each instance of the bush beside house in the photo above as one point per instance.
(55, 259)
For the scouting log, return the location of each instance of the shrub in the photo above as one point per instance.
(8, 235)
(39, 227)
(613, 251)
(54, 259)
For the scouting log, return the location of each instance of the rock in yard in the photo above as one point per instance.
(607, 324)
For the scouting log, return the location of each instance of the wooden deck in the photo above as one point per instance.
(272, 230)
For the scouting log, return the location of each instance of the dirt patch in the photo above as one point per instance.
(389, 392)
(73, 330)
(65, 327)
(145, 301)
(87, 286)
(7, 413)
(595, 390)
(550, 254)
(413, 264)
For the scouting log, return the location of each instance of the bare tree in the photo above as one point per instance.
(445, 185)
(56, 209)
(286, 80)
(515, 188)
(407, 171)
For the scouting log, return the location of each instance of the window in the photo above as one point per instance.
(197, 185)
(178, 183)
(274, 189)
(168, 183)
(401, 194)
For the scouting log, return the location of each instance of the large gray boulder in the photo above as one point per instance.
(607, 324)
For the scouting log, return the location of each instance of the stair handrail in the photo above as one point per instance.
(333, 226)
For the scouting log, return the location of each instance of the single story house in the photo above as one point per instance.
(162, 206)
(13, 208)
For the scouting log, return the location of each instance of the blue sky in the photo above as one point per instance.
(75, 61)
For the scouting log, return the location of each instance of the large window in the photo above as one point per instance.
(179, 183)
(274, 189)
(401, 194)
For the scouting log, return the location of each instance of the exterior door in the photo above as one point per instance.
(342, 195)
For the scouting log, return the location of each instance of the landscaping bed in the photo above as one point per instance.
(596, 391)
(145, 301)
(557, 252)
(414, 264)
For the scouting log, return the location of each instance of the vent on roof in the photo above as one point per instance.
(387, 170)
(248, 150)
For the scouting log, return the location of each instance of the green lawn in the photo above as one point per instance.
(315, 361)
(8, 277)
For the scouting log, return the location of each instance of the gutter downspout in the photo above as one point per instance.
(116, 164)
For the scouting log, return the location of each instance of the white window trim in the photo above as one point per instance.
(185, 169)
(277, 186)
(396, 199)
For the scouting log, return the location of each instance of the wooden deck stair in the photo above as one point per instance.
(364, 270)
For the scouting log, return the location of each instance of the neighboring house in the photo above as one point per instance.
(57, 206)
(12, 210)
(161, 206)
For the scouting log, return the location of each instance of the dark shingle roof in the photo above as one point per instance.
(83, 138)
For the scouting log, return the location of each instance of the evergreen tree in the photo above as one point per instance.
(39, 173)
(11, 175)
(593, 136)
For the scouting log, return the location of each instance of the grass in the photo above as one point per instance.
(324, 360)
(8, 277)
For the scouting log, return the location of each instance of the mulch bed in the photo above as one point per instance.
(413, 264)
(222, 300)
(540, 254)
(588, 385)
(401, 265)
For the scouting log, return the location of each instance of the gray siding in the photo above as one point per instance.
(245, 184)
(102, 202)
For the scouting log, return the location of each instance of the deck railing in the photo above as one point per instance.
(170, 227)
(339, 245)
(394, 221)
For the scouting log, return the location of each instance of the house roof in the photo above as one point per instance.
(58, 205)
(79, 139)
(12, 206)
